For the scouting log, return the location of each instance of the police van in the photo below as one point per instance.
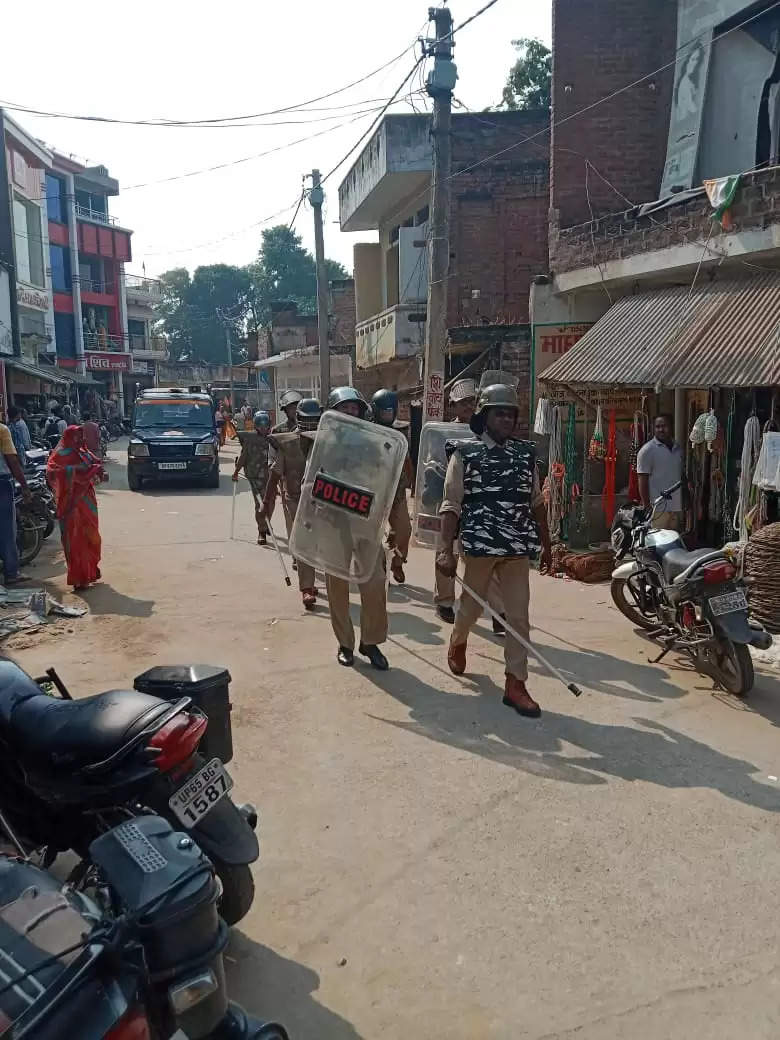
(173, 436)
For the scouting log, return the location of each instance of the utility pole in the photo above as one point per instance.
(229, 346)
(317, 197)
(440, 85)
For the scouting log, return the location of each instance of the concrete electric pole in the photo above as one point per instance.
(229, 346)
(317, 197)
(441, 83)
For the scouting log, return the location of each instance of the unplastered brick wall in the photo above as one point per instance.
(499, 215)
(342, 312)
(599, 47)
(621, 235)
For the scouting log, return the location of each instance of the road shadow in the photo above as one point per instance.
(415, 628)
(652, 752)
(186, 489)
(278, 989)
(105, 599)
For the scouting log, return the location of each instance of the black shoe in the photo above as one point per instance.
(375, 656)
(447, 614)
(498, 628)
(345, 657)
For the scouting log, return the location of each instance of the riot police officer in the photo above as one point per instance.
(384, 405)
(373, 593)
(288, 403)
(254, 461)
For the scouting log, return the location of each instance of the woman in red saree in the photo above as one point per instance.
(72, 472)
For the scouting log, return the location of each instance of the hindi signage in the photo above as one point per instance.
(98, 362)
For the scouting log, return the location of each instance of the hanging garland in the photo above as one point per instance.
(570, 480)
(610, 466)
(597, 450)
(639, 435)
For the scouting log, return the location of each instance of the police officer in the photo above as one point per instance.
(288, 402)
(492, 494)
(289, 464)
(373, 593)
(384, 405)
(254, 461)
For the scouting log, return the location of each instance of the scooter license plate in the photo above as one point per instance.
(201, 793)
(728, 603)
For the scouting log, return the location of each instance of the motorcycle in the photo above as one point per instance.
(41, 506)
(689, 601)
(70, 770)
(136, 955)
(31, 522)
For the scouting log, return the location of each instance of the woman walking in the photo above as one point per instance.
(72, 473)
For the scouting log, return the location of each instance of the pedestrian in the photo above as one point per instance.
(254, 461)
(373, 593)
(659, 466)
(55, 426)
(20, 433)
(248, 417)
(92, 434)
(291, 451)
(10, 469)
(72, 472)
(288, 403)
(219, 419)
(492, 495)
(384, 405)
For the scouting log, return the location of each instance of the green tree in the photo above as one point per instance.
(529, 82)
(285, 270)
(191, 309)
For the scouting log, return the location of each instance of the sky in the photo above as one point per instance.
(171, 60)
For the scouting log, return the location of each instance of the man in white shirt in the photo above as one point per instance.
(659, 466)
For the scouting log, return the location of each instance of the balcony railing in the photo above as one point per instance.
(397, 332)
(152, 345)
(88, 213)
(94, 285)
(136, 285)
(101, 341)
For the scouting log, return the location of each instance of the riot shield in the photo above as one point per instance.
(491, 376)
(347, 492)
(431, 470)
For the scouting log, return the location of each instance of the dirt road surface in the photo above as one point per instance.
(432, 864)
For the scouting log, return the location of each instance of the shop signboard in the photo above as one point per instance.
(550, 343)
(99, 362)
(29, 296)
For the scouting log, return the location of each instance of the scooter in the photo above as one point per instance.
(136, 955)
(70, 770)
(688, 601)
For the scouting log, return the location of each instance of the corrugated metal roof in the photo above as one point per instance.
(726, 333)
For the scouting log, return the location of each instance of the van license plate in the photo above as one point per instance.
(171, 465)
(201, 793)
(730, 603)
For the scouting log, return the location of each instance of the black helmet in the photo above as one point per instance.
(262, 419)
(308, 413)
(496, 396)
(342, 394)
(385, 401)
(289, 397)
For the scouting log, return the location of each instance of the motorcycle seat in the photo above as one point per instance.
(675, 561)
(71, 733)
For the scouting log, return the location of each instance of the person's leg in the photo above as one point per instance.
(513, 576)
(399, 536)
(9, 553)
(373, 605)
(258, 488)
(338, 602)
(307, 584)
(496, 601)
(477, 572)
(444, 592)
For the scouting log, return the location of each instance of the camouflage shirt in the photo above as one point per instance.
(254, 457)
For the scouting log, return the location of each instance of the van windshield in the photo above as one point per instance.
(173, 415)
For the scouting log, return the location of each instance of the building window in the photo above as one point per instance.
(136, 330)
(90, 202)
(29, 242)
(55, 198)
(60, 268)
(65, 334)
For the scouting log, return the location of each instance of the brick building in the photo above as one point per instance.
(498, 237)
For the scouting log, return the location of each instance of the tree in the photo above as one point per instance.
(284, 270)
(191, 309)
(529, 82)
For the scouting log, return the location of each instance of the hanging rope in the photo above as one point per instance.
(570, 480)
(751, 449)
(555, 477)
(610, 466)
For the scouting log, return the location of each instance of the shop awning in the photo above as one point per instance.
(725, 333)
(49, 375)
(74, 377)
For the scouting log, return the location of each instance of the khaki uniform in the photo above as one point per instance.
(254, 461)
(289, 465)
(373, 608)
(399, 532)
(510, 574)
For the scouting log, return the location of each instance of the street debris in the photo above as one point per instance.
(24, 609)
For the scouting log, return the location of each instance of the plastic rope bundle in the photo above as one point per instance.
(610, 466)
(751, 448)
(555, 477)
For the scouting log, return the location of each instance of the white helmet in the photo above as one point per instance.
(463, 389)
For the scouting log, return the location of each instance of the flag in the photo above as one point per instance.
(721, 192)
(143, 268)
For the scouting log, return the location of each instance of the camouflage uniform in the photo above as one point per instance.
(254, 461)
(494, 489)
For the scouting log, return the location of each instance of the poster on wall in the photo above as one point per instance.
(550, 343)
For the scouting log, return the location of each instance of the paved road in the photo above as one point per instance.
(609, 871)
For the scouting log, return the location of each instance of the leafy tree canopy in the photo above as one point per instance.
(529, 82)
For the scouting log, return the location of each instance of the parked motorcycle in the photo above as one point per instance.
(41, 505)
(70, 770)
(30, 526)
(688, 601)
(134, 955)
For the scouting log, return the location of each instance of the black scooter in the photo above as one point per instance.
(72, 769)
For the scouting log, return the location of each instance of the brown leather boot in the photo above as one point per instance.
(456, 658)
(309, 598)
(516, 696)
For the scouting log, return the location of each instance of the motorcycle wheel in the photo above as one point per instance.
(730, 664)
(238, 890)
(29, 538)
(49, 528)
(624, 599)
